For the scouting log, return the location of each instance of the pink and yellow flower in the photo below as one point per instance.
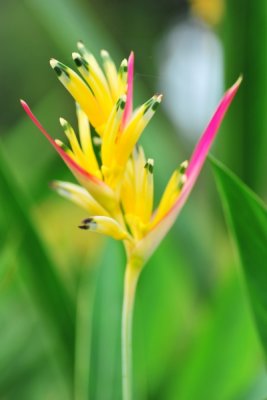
(117, 192)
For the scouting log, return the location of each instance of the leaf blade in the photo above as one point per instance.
(247, 218)
(40, 273)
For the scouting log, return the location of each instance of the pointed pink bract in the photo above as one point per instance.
(149, 243)
(129, 100)
(203, 146)
(78, 171)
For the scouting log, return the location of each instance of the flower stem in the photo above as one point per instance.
(130, 281)
(85, 300)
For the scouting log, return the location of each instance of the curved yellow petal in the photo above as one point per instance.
(106, 226)
(78, 195)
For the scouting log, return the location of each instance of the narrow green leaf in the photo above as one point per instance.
(245, 21)
(247, 218)
(39, 272)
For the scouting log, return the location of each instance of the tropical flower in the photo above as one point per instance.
(117, 191)
(115, 178)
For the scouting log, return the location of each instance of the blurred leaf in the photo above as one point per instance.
(7, 258)
(27, 358)
(247, 218)
(105, 382)
(258, 389)
(66, 23)
(246, 21)
(39, 272)
(23, 142)
(223, 357)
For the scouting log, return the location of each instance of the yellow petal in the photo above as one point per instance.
(101, 93)
(80, 91)
(171, 193)
(105, 225)
(122, 76)
(85, 138)
(147, 192)
(93, 65)
(111, 132)
(111, 74)
(78, 195)
(87, 163)
(137, 193)
(135, 127)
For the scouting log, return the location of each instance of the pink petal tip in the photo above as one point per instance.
(203, 146)
(129, 101)
(73, 166)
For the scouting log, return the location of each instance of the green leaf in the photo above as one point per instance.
(247, 218)
(214, 364)
(39, 272)
(249, 116)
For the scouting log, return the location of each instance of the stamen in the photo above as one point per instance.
(183, 178)
(62, 145)
(97, 141)
(153, 103)
(106, 226)
(87, 220)
(182, 181)
(150, 165)
(123, 67)
(105, 54)
(85, 227)
(80, 45)
(80, 61)
(121, 103)
(88, 224)
(122, 75)
(183, 167)
(65, 125)
(60, 69)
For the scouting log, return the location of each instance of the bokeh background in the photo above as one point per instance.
(61, 288)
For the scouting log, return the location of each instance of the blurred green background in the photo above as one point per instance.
(61, 288)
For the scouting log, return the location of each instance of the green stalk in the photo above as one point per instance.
(85, 300)
(130, 282)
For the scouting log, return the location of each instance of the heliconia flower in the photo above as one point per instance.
(118, 191)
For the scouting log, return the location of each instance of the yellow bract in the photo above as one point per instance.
(86, 141)
(137, 193)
